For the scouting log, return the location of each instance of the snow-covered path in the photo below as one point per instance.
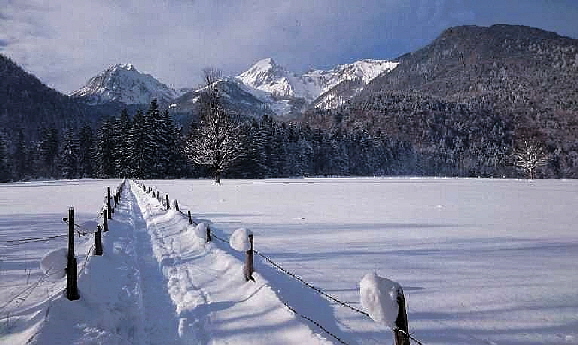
(158, 283)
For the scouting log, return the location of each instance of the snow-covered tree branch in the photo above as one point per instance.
(215, 142)
(529, 156)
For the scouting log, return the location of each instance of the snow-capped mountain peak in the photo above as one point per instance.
(266, 75)
(124, 83)
(269, 77)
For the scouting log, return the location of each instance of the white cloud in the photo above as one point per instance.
(65, 42)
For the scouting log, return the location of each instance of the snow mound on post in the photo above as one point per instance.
(201, 231)
(54, 263)
(379, 298)
(240, 239)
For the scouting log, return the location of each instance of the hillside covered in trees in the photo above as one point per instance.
(468, 100)
(478, 101)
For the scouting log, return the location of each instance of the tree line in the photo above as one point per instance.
(149, 145)
(222, 143)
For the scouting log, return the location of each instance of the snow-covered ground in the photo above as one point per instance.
(480, 262)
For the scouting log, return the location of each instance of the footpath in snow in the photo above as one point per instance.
(158, 283)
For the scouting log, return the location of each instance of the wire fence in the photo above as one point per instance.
(32, 240)
(24, 293)
(21, 296)
(165, 202)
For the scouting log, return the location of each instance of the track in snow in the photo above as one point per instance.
(157, 283)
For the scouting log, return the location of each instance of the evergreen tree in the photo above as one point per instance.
(152, 134)
(48, 153)
(69, 156)
(105, 151)
(21, 157)
(86, 153)
(136, 143)
(253, 163)
(5, 175)
(168, 153)
(122, 133)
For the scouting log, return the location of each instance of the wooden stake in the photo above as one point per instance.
(105, 217)
(190, 218)
(248, 271)
(401, 333)
(71, 278)
(108, 203)
(98, 241)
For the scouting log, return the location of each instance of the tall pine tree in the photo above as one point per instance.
(69, 155)
(122, 132)
(86, 152)
(5, 174)
(105, 151)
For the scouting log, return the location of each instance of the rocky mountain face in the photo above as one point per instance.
(123, 83)
(472, 96)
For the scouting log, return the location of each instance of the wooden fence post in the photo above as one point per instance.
(401, 333)
(190, 218)
(177, 205)
(98, 241)
(105, 217)
(248, 271)
(108, 203)
(71, 268)
(209, 238)
(168, 204)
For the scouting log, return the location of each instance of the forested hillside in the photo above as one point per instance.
(470, 98)
(499, 101)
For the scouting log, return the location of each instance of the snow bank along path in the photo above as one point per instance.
(158, 283)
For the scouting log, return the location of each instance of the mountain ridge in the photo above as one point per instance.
(472, 96)
(271, 84)
(124, 83)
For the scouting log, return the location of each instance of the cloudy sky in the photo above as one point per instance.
(65, 42)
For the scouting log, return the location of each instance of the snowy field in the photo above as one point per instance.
(480, 261)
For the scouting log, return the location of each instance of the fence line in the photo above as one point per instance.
(28, 290)
(166, 203)
(314, 322)
(32, 240)
(311, 286)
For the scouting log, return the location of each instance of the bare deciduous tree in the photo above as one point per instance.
(215, 142)
(529, 156)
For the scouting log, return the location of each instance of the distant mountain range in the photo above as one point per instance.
(473, 92)
(266, 87)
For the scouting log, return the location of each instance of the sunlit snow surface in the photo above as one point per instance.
(480, 261)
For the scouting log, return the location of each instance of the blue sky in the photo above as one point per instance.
(65, 42)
